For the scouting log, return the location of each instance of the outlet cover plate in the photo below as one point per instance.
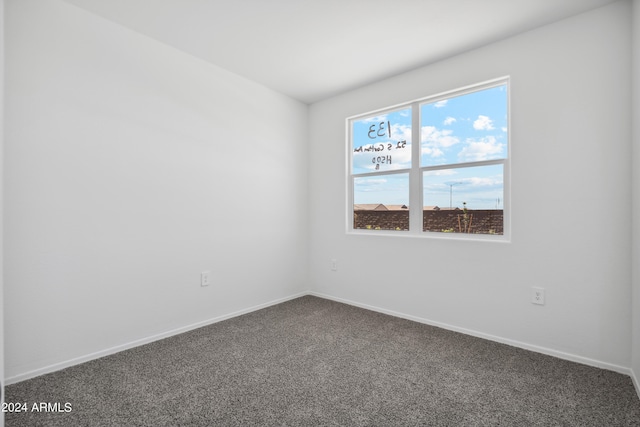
(537, 295)
(205, 278)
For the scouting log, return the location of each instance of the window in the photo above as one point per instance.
(437, 166)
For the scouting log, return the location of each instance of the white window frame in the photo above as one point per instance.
(416, 172)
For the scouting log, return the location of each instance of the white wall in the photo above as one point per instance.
(571, 197)
(635, 330)
(130, 168)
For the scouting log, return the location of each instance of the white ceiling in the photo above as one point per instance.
(312, 49)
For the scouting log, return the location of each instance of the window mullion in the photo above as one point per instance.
(415, 178)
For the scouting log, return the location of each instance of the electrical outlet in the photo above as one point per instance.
(205, 278)
(537, 295)
(334, 265)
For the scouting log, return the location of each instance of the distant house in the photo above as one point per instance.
(379, 207)
(382, 207)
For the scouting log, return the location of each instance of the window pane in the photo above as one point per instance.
(466, 128)
(382, 143)
(464, 200)
(381, 202)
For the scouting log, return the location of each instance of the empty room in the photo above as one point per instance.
(288, 212)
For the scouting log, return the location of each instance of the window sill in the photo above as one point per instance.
(500, 238)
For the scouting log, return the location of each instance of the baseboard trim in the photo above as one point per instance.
(635, 381)
(513, 343)
(109, 351)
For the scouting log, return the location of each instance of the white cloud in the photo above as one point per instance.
(483, 123)
(480, 149)
(440, 172)
(438, 138)
(392, 158)
(440, 104)
(401, 132)
(486, 181)
(401, 158)
(504, 129)
(449, 120)
(432, 152)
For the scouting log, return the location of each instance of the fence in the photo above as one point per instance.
(483, 221)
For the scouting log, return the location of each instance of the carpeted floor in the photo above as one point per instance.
(311, 361)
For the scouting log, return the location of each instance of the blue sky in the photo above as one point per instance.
(454, 131)
(466, 128)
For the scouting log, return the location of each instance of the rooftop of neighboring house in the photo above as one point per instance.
(383, 207)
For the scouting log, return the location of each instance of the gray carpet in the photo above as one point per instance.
(311, 362)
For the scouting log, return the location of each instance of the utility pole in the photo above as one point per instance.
(451, 194)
